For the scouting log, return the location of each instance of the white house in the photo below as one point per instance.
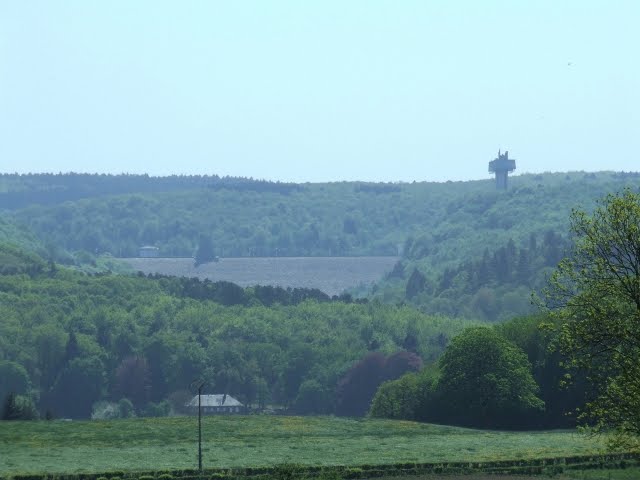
(217, 403)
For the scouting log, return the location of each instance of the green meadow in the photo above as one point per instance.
(245, 441)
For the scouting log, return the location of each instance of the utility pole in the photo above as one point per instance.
(199, 385)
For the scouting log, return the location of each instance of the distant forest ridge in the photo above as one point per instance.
(466, 248)
(20, 190)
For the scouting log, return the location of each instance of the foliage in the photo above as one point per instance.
(443, 229)
(420, 396)
(104, 410)
(133, 380)
(561, 398)
(410, 397)
(79, 385)
(125, 407)
(493, 286)
(359, 384)
(10, 410)
(160, 409)
(17, 241)
(15, 260)
(313, 398)
(86, 338)
(13, 379)
(595, 295)
(357, 387)
(486, 381)
(415, 284)
(18, 407)
(227, 293)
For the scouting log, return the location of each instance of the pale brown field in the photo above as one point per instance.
(332, 275)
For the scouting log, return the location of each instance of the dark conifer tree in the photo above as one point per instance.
(416, 284)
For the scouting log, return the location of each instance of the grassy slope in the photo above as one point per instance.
(137, 444)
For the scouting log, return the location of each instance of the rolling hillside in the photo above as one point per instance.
(475, 251)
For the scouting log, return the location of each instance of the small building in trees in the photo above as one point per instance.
(149, 252)
(216, 404)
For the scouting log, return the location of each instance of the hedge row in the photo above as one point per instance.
(294, 471)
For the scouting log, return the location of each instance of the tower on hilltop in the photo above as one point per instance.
(501, 166)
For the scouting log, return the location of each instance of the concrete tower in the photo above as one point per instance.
(501, 166)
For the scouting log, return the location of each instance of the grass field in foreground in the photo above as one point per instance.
(234, 441)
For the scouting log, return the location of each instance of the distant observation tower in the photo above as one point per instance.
(501, 166)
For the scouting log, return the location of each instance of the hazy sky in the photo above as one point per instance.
(322, 90)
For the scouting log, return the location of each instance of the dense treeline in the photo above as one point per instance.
(15, 260)
(17, 191)
(507, 376)
(440, 223)
(495, 286)
(443, 230)
(227, 293)
(13, 232)
(77, 345)
(69, 341)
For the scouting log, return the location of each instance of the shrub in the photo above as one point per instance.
(125, 408)
(160, 409)
(19, 407)
(105, 411)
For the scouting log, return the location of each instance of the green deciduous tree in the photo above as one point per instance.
(312, 398)
(13, 379)
(411, 397)
(18, 407)
(595, 295)
(486, 381)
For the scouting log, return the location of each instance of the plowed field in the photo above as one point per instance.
(332, 275)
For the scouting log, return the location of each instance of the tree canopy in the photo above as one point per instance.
(476, 252)
(595, 295)
(70, 340)
(486, 380)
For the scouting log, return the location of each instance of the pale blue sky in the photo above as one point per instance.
(316, 91)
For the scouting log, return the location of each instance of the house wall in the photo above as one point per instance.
(220, 410)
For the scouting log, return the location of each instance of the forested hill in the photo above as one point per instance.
(18, 191)
(459, 238)
(69, 340)
(446, 222)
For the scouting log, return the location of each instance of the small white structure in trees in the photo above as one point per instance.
(216, 404)
(149, 252)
